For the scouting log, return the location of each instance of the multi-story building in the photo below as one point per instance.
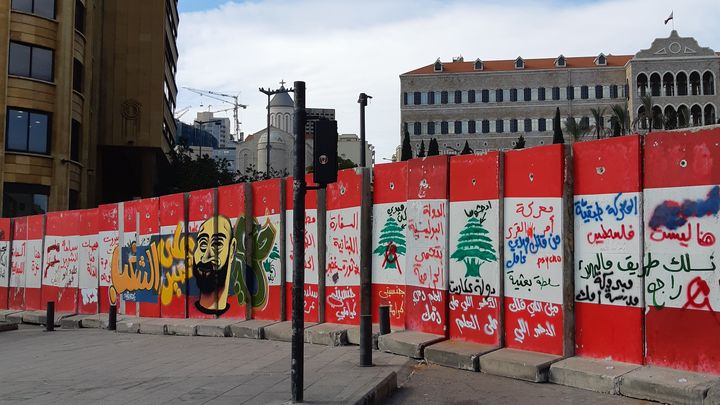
(490, 104)
(219, 127)
(349, 148)
(87, 91)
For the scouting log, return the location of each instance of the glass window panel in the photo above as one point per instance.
(45, 8)
(22, 5)
(42, 64)
(17, 130)
(19, 60)
(38, 140)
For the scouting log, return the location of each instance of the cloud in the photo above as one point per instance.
(343, 48)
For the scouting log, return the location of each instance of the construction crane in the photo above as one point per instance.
(225, 98)
(181, 112)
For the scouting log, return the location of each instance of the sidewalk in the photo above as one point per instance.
(91, 365)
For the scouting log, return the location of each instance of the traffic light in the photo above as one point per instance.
(325, 155)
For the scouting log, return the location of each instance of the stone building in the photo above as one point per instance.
(86, 101)
(491, 103)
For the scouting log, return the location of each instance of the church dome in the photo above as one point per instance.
(276, 136)
(282, 100)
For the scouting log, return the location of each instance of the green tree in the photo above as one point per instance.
(391, 244)
(622, 117)
(433, 148)
(576, 129)
(341, 165)
(466, 150)
(557, 131)
(520, 144)
(406, 153)
(422, 149)
(474, 247)
(188, 173)
(598, 114)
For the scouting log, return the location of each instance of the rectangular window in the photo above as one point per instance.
(471, 96)
(458, 96)
(498, 95)
(513, 125)
(485, 126)
(78, 76)
(598, 91)
(431, 128)
(416, 98)
(584, 92)
(614, 91)
(417, 128)
(31, 61)
(24, 199)
(27, 131)
(73, 199)
(79, 16)
(541, 93)
(499, 126)
(513, 94)
(42, 8)
(570, 92)
(444, 127)
(75, 137)
(585, 122)
(527, 93)
(486, 96)
(556, 93)
(471, 127)
(542, 125)
(528, 124)
(431, 97)
(444, 97)
(458, 127)
(405, 98)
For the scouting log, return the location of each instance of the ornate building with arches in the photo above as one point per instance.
(491, 103)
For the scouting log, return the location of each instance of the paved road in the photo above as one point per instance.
(441, 385)
(96, 366)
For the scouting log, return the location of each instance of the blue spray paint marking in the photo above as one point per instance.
(672, 215)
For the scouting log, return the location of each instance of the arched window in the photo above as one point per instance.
(642, 84)
(417, 128)
(570, 92)
(709, 114)
(458, 96)
(528, 125)
(444, 127)
(458, 127)
(444, 97)
(708, 84)
(657, 117)
(499, 126)
(471, 127)
(471, 96)
(478, 64)
(542, 124)
(683, 116)
(669, 84)
(527, 93)
(642, 118)
(696, 115)
(438, 66)
(671, 119)
(485, 126)
(599, 91)
(556, 93)
(519, 63)
(513, 94)
(498, 95)
(513, 125)
(655, 85)
(681, 83)
(695, 83)
(431, 97)
(431, 128)
(584, 93)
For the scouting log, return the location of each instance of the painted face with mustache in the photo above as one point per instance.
(211, 268)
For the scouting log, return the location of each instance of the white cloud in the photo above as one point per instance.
(341, 48)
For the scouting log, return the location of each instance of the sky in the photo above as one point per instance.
(343, 48)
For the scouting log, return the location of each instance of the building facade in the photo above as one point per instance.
(87, 91)
(219, 127)
(490, 104)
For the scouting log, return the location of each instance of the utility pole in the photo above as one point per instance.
(299, 188)
(269, 93)
(363, 100)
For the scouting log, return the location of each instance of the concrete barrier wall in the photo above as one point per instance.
(608, 249)
(682, 275)
(389, 240)
(88, 281)
(343, 247)
(427, 250)
(475, 256)
(5, 237)
(311, 304)
(534, 258)
(577, 271)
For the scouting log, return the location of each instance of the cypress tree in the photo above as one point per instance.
(557, 131)
(520, 144)
(467, 150)
(422, 149)
(406, 153)
(433, 148)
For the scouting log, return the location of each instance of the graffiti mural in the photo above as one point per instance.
(18, 253)
(34, 262)
(427, 256)
(265, 281)
(88, 262)
(474, 283)
(5, 234)
(108, 242)
(608, 249)
(389, 258)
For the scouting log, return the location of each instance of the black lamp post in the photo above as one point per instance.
(269, 93)
(363, 100)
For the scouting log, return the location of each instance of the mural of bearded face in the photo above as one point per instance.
(212, 263)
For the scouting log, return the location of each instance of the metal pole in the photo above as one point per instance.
(363, 99)
(298, 315)
(267, 145)
(365, 274)
(50, 317)
(112, 318)
(384, 315)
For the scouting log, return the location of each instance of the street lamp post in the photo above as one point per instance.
(363, 100)
(269, 93)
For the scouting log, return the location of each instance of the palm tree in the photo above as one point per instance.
(598, 114)
(647, 115)
(578, 130)
(621, 117)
